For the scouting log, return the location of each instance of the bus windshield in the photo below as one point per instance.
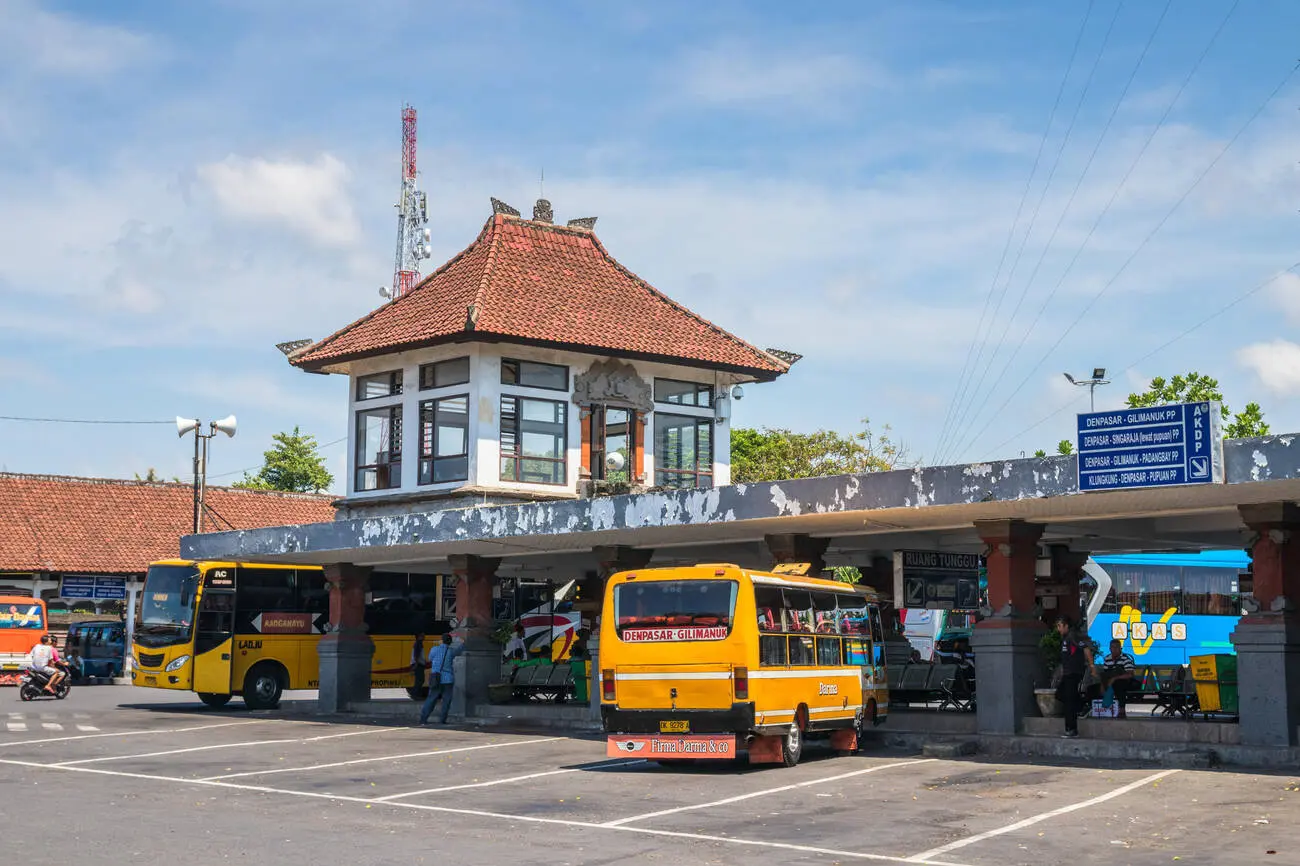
(167, 610)
(21, 615)
(675, 609)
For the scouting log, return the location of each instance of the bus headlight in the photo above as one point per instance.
(177, 664)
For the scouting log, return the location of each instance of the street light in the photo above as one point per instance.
(193, 425)
(1098, 378)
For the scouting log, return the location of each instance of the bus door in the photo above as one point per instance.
(214, 633)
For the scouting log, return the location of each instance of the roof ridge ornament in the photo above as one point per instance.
(788, 357)
(498, 206)
(542, 212)
(588, 223)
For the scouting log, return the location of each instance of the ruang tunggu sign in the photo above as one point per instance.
(936, 581)
(1157, 446)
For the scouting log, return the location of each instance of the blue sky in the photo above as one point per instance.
(184, 185)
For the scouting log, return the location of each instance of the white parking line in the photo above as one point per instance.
(130, 733)
(1028, 822)
(383, 758)
(496, 816)
(87, 728)
(224, 746)
(16, 726)
(51, 726)
(621, 821)
(600, 766)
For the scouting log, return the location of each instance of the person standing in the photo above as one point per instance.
(1076, 659)
(516, 648)
(441, 678)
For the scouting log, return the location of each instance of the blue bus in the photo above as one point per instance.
(1166, 607)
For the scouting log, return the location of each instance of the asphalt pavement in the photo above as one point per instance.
(139, 775)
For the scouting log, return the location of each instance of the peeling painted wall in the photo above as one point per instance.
(1247, 460)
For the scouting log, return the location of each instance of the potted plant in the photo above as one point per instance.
(1049, 650)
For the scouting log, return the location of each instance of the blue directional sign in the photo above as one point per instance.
(110, 588)
(77, 587)
(1153, 447)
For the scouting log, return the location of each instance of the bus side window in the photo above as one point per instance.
(824, 604)
(771, 650)
(798, 611)
(769, 604)
(802, 651)
(266, 589)
(313, 594)
(877, 631)
(828, 651)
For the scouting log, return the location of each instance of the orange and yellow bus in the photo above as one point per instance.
(22, 622)
(224, 628)
(708, 661)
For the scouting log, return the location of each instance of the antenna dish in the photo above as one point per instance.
(185, 425)
(225, 425)
(614, 462)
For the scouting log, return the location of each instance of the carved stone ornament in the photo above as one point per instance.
(614, 384)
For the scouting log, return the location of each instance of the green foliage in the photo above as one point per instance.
(1065, 446)
(779, 454)
(152, 476)
(294, 464)
(1049, 649)
(846, 574)
(1040, 453)
(1195, 388)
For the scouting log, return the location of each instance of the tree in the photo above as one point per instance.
(152, 476)
(1196, 388)
(847, 574)
(293, 463)
(1065, 446)
(778, 454)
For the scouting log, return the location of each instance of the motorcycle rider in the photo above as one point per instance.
(43, 655)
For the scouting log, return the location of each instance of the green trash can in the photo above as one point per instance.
(581, 677)
(1216, 683)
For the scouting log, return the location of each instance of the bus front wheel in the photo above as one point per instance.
(792, 744)
(214, 700)
(262, 688)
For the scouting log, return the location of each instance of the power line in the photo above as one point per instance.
(76, 420)
(1146, 240)
(958, 393)
(1165, 345)
(251, 468)
(1096, 148)
(1114, 194)
(963, 410)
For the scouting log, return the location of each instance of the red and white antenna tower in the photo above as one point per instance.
(412, 217)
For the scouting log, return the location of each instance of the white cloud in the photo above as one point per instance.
(49, 43)
(308, 198)
(1285, 292)
(1276, 363)
(734, 74)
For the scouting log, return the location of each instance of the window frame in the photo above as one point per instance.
(430, 460)
(699, 473)
(516, 456)
(519, 363)
(700, 388)
(393, 466)
(432, 369)
(597, 431)
(395, 385)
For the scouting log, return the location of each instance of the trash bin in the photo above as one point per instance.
(1216, 683)
(581, 676)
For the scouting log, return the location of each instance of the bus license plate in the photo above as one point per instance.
(676, 726)
(151, 681)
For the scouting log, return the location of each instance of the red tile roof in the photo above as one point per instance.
(535, 282)
(100, 526)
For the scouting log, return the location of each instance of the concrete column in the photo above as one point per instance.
(480, 664)
(610, 560)
(1268, 637)
(1007, 661)
(1067, 569)
(345, 650)
(798, 548)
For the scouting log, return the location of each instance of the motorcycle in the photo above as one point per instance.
(33, 683)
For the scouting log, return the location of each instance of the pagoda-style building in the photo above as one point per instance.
(533, 366)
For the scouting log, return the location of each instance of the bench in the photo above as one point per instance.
(538, 682)
(951, 686)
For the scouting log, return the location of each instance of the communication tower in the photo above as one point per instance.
(412, 217)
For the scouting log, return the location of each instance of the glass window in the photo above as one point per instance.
(683, 393)
(379, 448)
(443, 374)
(1211, 591)
(828, 651)
(802, 651)
(798, 610)
(770, 605)
(444, 440)
(259, 589)
(647, 609)
(612, 432)
(683, 451)
(824, 613)
(534, 440)
(771, 650)
(379, 385)
(532, 374)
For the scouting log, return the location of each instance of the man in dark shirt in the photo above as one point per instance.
(1076, 658)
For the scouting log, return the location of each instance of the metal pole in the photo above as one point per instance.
(132, 595)
(203, 484)
(196, 480)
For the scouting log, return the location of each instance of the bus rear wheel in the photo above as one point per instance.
(792, 744)
(263, 687)
(214, 700)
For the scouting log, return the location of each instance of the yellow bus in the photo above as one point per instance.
(222, 629)
(708, 661)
